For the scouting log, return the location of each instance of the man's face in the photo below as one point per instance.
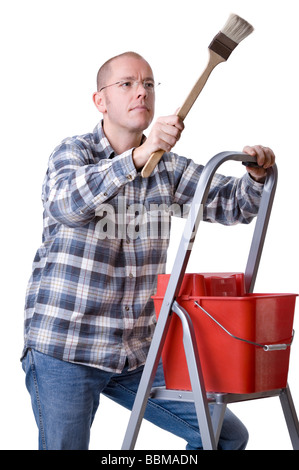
(131, 108)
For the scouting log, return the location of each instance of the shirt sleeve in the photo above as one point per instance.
(230, 201)
(233, 200)
(73, 188)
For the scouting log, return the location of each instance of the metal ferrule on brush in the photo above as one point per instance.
(223, 45)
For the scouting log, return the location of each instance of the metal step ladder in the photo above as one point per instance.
(210, 426)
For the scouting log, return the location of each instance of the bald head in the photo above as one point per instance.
(105, 71)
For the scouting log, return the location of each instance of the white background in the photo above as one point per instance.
(51, 51)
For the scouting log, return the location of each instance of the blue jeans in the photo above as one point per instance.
(65, 398)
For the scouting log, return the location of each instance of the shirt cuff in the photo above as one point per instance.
(124, 167)
(254, 184)
(115, 173)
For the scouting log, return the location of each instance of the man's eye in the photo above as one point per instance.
(149, 85)
(126, 84)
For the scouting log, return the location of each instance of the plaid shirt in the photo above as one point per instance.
(89, 296)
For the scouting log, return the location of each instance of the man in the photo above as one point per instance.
(89, 313)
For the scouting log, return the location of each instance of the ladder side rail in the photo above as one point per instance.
(196, 378)
(290, 415)
(260, 230)
(146, 382)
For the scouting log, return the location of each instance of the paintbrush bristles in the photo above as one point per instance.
(236, 28)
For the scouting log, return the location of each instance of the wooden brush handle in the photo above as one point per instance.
(214, 60)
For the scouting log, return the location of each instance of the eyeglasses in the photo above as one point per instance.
(127, 85)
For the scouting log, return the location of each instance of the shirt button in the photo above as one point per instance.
(127, 308)
(129, 177)
(131, 275)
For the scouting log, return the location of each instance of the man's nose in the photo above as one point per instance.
(140, 89)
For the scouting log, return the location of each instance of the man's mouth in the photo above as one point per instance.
(139, 107)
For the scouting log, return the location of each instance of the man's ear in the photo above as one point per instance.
(99, 101)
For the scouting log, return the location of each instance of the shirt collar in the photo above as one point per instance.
(103, 144)
(101, 141)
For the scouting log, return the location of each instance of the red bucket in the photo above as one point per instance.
(230, 362)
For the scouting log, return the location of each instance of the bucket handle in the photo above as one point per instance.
(266, 347)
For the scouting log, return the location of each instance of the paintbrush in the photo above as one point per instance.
(234, 31)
